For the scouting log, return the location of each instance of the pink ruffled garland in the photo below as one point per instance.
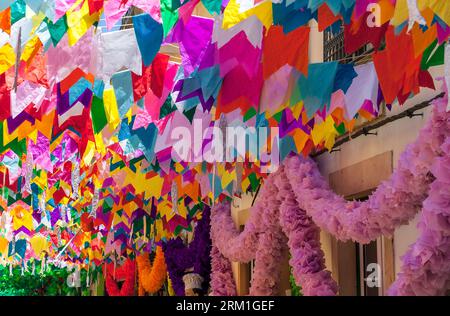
(426, 264)
(420, 173)
(235, 245)
(222, 281)
(276, 216)
(307, 258)
(271, 247)
(395, 202)
(423, 170)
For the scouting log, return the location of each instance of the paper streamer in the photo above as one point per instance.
(95, 200)
(174, 194)
(42, 202)
(239, 173)
(28, 172)
(63, 213)
(223, 124)
(75, 177)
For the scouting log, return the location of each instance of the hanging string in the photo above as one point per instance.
(214, 185)
(42, 266)
(4, 184)
(87, 274)
(223, 125)
(75, 178)
(63, 213)
(115, 263)
(18, 56)
(131, 234)
(174, 195)
(43, 202)
(13, 244)
(95, 200)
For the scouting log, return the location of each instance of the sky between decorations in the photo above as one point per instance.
(86, 115)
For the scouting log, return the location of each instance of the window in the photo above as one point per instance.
(127, 20)
(334, 50)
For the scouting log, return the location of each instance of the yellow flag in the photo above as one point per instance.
(324, 132)
(440, 7)
(3, 245)
(79, 21)
(22, 218)
(233, 16)
(89, 153)
(39, 244)
(110, 104)
(31, 49)
(401, 13)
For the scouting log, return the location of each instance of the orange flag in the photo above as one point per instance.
(280, 49)
(397, 67)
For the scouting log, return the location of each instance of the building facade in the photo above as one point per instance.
(354, 169)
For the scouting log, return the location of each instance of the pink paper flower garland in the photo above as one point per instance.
(426, 264)
(270, 248)
(235, 245)
(272, 218)
(222, 281)
(423, 170)
(426, 267)
(307, 258)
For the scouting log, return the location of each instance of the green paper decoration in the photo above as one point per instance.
(167, 108)
(190, 114)
(57, 29)
(340, 128)
(295, 289)
(278, 116)
(99, 120)
(18, 147)
(432, 58)
(254, 181)
(249, 114)
(18, 9)
(169, 15)
(213, 6)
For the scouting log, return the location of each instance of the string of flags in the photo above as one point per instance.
(88, 113)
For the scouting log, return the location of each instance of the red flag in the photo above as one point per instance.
(280, 49)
